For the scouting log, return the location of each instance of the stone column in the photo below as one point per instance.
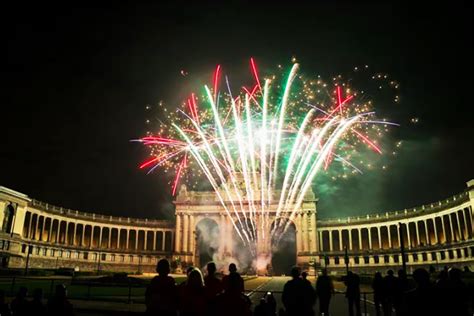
(109, 244)
(341, 247)
(154, 240)
(451, 226)
(320, 233)
(298, 233)
(435, 230)
(305, 233)
(66, 237)
(460, 233)
(389, 237)
(330, 241)
(191, 234)
(369, 234)
(50, 232)
(398, 234)
(137, 234)
(42, 229)
(118, 237)
(145, 238)
(349, 231)
(314, 246)
(444, 229)
(100, 236)
(466, 229)
(408, 235)
(417, 234)
(359, 233)
(427, 234)
(222, 232)
(74, 236)
(127, 240)
(163, 241)
(228, 233)
(29, 226)
(91, 244)
(380, 237)
(186, 233)
(177, 239)
(83, 235)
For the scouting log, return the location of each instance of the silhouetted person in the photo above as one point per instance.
(402, 287)
(390, 289)
(353, 292)
(421, 300)
(377, 287)
(267, 306)
(36, 304)
(232, 302)
(161, 296)
(183, 284)
(261, 309)
(271, 304)
(324, 291)
(296, 297)
(19, 305)
(458, 294)
(4, 308)
(442, 292)
(193, 300)
(59, 305)
(212, 283)
(233, 271)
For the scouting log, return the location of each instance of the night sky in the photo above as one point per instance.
(76, 80)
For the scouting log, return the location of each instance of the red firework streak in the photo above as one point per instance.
(182, 165)
(216, 81)
(255, 73)
(365, 139)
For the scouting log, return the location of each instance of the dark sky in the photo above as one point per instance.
(75, 81)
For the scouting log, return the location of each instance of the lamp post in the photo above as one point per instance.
(402, 247)
(346, 260)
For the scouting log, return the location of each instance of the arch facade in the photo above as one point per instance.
(438, 233)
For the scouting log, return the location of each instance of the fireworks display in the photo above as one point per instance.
(261, 147)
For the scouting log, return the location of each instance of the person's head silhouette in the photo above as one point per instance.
(421, 277)
(163, 267)
(195, 279)
(211, 268)
(232, 268)
(304, 275)
(295, 272)
(325, 272)
(189, 270)
(390, 272)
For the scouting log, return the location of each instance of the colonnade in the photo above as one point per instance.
(427, 230)
(99, 236)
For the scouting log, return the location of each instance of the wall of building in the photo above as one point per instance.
(58, 237)
(435, 234)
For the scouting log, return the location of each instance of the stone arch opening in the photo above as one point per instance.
(207, 241)
(283, 248)
(243, 253)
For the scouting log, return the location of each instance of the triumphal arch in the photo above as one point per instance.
(193, 207)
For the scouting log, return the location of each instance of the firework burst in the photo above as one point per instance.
(260, 149)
